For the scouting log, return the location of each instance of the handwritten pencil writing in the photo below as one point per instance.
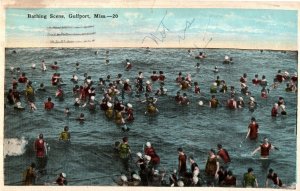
(162, 30)
(188, 24)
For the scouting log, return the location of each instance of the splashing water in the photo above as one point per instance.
(14, 146)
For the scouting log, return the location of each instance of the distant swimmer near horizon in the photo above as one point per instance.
(43, 66)
(201, 55)
(227, 60)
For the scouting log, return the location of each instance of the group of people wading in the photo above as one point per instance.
(141, 91)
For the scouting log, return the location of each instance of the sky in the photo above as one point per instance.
(158, 28)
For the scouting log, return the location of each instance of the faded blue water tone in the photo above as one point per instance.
(89, 158)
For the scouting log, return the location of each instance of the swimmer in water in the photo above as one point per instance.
(43, 66)
(32, 106)
(74, 78)
(67, 111)
(55, 66)
(213, 103)
(264, 149)
(273, 177)
(81, 118)
(65, 135)
(252, 130)
(128, 65)
(274, 111)
(77, 66)
(196, 88)
(48, 105)
(216, 70)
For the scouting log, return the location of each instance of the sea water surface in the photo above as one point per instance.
(89, 158)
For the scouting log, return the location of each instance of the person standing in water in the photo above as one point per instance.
(252, 129)
(211, 168)
(249, 179)
(181, 162)
(30, 175)
(150, 151)
(272, 176)
(124, 153)
(223, 154)
(40, 148)
(264, 149)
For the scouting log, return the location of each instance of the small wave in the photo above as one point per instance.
(291, 186)
(14, 146)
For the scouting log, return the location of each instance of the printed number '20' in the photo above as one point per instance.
(115, 16)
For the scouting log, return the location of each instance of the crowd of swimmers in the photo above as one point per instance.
(114, 90)
(216, 172)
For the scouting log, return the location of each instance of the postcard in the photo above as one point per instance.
(150, 94)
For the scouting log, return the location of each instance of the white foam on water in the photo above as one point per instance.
(292, 186)
(14, 146)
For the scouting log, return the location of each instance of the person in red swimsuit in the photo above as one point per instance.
(223, 154)
(252, 129)
(264, 149)
(154, 76)
(40, 148)
(256, 81)
(129, 112)
(150, 151)
(55, 66)
(181, 162)
(161, 76)
(48, 105)
(274, 112)
(273, 177)
(196, 88)
(230, 180)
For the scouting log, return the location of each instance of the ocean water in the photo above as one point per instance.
(89, 158)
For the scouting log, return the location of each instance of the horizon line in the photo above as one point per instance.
(145, 47)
